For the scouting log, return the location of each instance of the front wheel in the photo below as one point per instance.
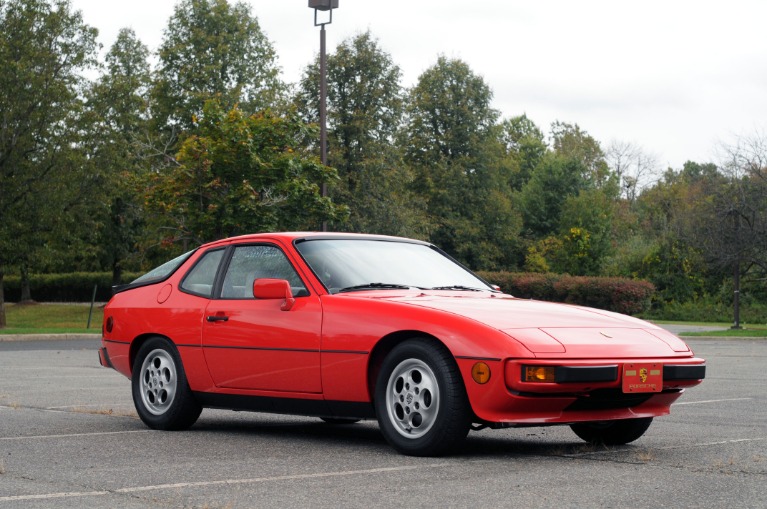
(612, 432)
(420, 399)
(161, 393)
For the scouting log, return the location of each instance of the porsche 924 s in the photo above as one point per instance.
(348, 327)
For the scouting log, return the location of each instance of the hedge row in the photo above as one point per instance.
(615, 294)
(72, 287)
(626, 296)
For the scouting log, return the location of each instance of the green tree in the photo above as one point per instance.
(44, 49)
(586, 224)
(239, 174)
(572, 142)
(213, 49)
(453, 145)
(568, 202)
(571, 189)
(673, 264)
(554, 180)
(676, 269)
(119, 108)
(727, 223)
(525, 143)
(365, 104)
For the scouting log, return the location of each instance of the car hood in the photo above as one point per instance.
(552, 328)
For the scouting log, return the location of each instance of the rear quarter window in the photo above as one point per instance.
(201, 278)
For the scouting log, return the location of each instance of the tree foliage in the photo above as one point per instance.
(525, 144)
(365, 106)
(213, 49)
(119, 146)
(44, 48)
(452, 143)
(239, 174)
(199, 142)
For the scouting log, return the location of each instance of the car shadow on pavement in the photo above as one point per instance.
(294, 428)
(509, 444)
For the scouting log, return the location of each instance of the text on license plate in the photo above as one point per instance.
(642, 377)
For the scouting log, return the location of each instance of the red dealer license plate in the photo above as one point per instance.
(642, 377)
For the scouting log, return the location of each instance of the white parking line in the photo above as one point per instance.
(668, 448)
(60, 410)
(68, 435)
(54, 495)
(94, 405)
(722, 442)
(711, 401)
(202, 484)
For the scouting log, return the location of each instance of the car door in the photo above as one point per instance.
(253, 343)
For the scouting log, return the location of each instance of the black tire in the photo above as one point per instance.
(161, 392)
(339, 420)
(420, 399)
(612, 432)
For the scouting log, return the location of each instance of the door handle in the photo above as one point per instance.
(218, 318)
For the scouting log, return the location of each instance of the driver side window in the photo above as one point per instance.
(256, 262)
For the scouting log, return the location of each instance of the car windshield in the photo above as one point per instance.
(163, 271)
(357, 264)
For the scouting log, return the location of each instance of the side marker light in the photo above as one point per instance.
(480, 372)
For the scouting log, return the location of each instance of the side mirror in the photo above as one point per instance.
(274, 289)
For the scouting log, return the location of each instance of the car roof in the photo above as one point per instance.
(290, 237)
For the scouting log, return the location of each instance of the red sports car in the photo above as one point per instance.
(348, 327)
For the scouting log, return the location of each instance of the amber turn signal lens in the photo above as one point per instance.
(480, 372)
(540, 374)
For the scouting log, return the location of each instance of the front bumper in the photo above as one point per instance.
(583, 390)
(579, 376)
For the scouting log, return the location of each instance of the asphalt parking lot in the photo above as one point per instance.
(69, 438)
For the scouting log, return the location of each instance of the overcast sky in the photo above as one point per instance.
(675, 77)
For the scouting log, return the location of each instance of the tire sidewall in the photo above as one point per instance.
(183, 411)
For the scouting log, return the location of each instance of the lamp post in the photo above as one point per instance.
(323, 5)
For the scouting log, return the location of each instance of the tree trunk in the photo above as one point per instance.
(26, 291)
(117, 273)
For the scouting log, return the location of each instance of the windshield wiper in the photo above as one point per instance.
(457, 287)
(374, 286)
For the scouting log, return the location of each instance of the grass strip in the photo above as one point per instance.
(730, 333)
(51, 319)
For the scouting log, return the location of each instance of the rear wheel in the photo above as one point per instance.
(420, 399)
(612, 432)
(161, 393)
